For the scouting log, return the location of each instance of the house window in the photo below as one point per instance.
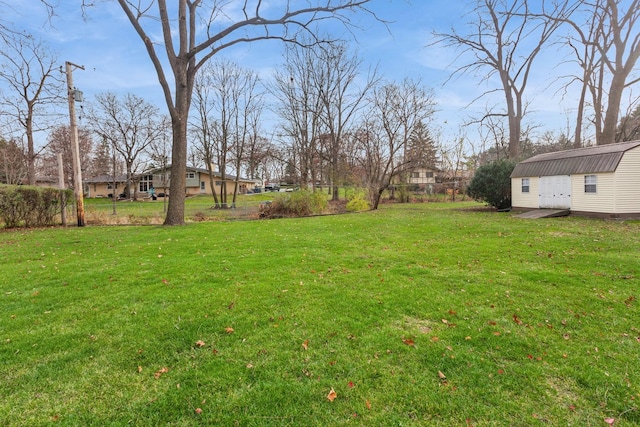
(429, 174)
(590, 183)
(415, 174)
(202, 185)
(525, 185)
(218, 183)
(109, 186)
(146, 182)
(191, 175)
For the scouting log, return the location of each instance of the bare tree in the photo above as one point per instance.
(13, 162)
(629, 126)
(29, 73)
(611, 49)
(130, 124)
(202, 126)
(194, 32)
(247, 128)
(504, 41)
(58, 142)
(159, 151)
(384, 136)
(228, 105)
(335, 74)
(257, 155)
(298, 107)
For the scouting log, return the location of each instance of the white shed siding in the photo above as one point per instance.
(603, 200)
(628, 183)
(524, 200)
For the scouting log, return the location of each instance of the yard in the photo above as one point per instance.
(415, 315)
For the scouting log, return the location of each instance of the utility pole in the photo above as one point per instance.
(78, 190)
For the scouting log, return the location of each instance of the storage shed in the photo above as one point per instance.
(602, 181)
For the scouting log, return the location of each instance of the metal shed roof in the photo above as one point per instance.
(601, 158)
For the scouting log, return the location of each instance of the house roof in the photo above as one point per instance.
(100, 179)
(597, 159)
(216, 174)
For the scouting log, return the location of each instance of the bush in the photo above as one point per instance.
(357, 201)
(297, 203)
(29, 206)
(492, 184)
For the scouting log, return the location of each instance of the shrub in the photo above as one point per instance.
(29, 206)
(492, 184)
(297, 203)
(357, 201)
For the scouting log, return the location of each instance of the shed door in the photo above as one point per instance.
(555, 192)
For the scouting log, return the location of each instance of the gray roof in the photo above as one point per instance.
(101, 179)
(597, 159)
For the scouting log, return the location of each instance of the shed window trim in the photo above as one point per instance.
(525, 185)
(590, 183)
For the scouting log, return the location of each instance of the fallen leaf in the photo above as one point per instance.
(228, 330)
(367, 404)
(159, 373)
(198, 411)
(249, 366)
(517, 319)
(441, 375)
(305, 344)
(408, 341)
(445, 321)
(351, 384)
(610, 421)
(200, 343)
(139, 369)
(332, 395)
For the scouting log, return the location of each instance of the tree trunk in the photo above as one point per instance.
(608, 134)
(31, 155)
(577, 141)
(178, 180)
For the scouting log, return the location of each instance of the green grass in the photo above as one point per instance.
(531, 322)
(147, 212)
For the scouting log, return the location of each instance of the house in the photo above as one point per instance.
(423, 179)
(197, 182)
(602, 181)
(102, 185)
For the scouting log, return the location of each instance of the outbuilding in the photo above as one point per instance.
(601, 181)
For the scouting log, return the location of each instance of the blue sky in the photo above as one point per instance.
(115, 60)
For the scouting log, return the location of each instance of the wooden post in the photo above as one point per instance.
(63, 199)
(75, 149)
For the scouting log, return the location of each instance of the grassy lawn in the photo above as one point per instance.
(414, 315)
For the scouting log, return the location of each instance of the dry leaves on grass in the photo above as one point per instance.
(161, 371)
(332, 395)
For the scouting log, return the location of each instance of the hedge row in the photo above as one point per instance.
(27, 206)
